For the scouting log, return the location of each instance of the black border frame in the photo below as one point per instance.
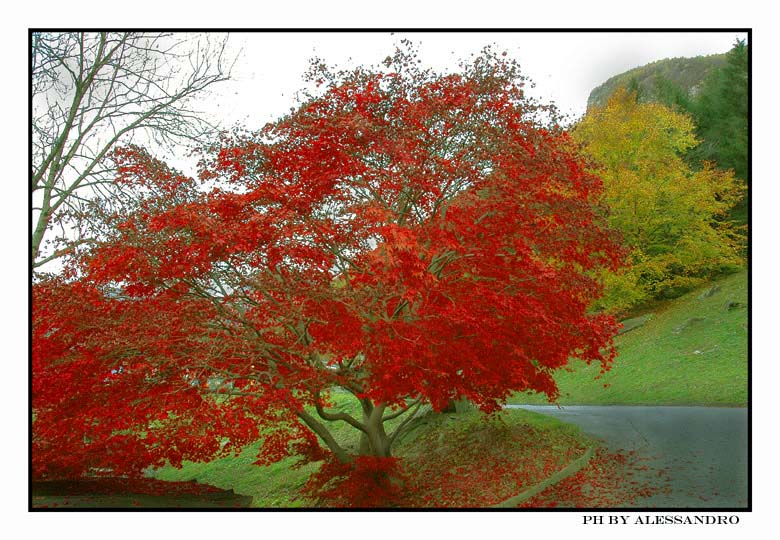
(697, 510)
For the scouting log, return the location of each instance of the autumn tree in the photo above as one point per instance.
(92, 91)
(671, 214)
(407, 237)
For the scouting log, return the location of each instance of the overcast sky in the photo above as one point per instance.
(564, 66)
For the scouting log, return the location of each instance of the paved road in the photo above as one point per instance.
(704, 448)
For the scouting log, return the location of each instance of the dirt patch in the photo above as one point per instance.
(131, 493)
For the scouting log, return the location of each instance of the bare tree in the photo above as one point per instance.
(94, 90)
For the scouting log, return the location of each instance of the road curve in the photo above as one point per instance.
(702, 451)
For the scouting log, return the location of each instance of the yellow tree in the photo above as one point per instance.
(672, 216)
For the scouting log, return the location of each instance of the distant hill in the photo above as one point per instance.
(688, 73)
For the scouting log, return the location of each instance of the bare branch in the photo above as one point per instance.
(401, 411)
(323, 433)
(94, 91)
(333, 417)
(399, 429)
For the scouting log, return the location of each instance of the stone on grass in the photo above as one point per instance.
(709, 292)
(688, 323)
(732, 304)
(636, 322)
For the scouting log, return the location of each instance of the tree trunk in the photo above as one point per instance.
(458, 406)
(364, 447)
(375, 442)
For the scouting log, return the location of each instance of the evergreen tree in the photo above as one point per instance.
(721, 114)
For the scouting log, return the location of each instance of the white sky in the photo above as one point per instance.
(564, 66)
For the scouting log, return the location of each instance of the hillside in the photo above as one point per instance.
(688, 73)
(687, 351)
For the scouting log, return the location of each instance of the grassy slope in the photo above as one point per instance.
(702, 364)
(445, 454)
(271, 486)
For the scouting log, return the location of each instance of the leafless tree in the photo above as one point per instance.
(92, 91)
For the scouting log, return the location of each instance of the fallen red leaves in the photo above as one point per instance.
(458, 475)
(473, 468)
(367, 482)
(610, 480)
(481, 463)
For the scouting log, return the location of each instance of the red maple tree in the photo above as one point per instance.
(405, 236)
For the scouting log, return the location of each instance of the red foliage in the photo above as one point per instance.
(463, 475)
(610, 480)
(104, 400)
(365, 482)
(510, 460)
(402, 235)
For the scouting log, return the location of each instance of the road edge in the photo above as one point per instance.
(570, 469)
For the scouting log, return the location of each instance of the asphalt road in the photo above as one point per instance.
(702, 451)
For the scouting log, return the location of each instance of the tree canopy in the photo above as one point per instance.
(671, 214)
(406, 236)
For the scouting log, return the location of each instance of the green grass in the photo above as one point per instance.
(271, 486)
(438, 447)
(692, 351)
